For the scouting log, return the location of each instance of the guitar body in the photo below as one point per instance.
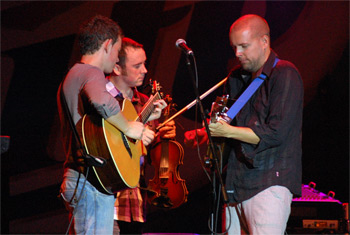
(122, 154)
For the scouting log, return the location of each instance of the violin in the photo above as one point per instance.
(169, 190)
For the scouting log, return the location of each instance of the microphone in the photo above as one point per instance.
(181, 44)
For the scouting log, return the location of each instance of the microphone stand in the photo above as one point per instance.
(211, 143)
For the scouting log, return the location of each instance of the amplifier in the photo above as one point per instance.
(316, 212)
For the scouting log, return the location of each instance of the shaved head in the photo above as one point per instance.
(254, 23)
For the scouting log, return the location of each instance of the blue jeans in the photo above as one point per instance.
(95, 210)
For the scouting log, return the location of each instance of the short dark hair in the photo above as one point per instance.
(95, 31)
(126, 42)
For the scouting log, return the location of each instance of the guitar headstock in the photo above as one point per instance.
(155, 86)
(167, 98)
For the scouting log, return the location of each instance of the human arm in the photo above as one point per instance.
(132, 129)
(282, 113)
(223, 129)
(94, 90)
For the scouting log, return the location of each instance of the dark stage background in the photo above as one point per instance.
(38, 46)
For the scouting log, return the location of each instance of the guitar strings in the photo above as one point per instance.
(147, 111)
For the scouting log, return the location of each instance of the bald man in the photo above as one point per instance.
(264, 140)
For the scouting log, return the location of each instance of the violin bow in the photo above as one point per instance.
(190, 105)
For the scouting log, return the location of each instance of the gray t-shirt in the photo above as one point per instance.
(85, 91)
(85, 85)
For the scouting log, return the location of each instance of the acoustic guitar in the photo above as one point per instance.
(218, 113)
(121, 153)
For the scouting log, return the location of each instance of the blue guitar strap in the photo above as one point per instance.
(243, 99)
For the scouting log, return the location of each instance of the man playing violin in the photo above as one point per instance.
(127, 75)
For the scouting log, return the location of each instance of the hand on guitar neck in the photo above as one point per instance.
(217, 113)
(159, 105)
(220, 127)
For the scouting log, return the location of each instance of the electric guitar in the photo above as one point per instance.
(121, 153)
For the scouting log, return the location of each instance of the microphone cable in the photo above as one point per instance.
(212, 229)
(81, 193)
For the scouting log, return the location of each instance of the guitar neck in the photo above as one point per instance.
(148, 108)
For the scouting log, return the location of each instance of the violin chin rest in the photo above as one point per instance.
(162, 201)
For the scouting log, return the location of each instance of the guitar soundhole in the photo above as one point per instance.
(126, 144)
